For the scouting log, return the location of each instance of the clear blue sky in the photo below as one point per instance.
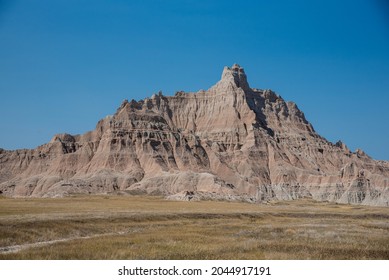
(65, 64)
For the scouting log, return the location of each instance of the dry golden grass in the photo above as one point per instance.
(128, 227)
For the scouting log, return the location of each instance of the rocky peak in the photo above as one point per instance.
(233, 76)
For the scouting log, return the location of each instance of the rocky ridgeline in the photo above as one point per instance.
(230, 142)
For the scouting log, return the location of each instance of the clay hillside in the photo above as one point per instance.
(230, 142)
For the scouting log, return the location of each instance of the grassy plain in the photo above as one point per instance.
(138, 227)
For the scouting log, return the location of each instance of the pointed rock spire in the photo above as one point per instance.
(235, 75)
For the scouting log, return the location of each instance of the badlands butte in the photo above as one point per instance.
(230, 142)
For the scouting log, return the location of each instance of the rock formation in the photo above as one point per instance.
(229, 142)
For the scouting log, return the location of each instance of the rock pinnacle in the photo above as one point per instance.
(236, 75)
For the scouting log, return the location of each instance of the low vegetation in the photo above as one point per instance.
(137, 227)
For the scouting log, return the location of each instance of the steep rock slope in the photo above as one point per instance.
(229, 142)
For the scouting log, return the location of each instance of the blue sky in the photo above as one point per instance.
(66, 64)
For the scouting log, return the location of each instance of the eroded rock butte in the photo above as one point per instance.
(229, 142)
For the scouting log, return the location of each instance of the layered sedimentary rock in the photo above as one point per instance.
(228, 142)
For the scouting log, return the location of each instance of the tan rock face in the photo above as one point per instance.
(229, 142)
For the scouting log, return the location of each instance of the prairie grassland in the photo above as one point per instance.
(138, 227)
